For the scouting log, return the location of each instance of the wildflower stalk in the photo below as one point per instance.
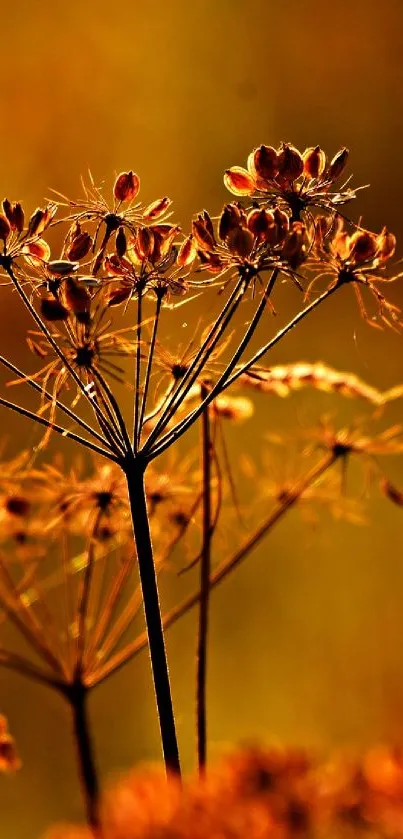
(149, 363)
(205, 565)
(136, 424)
(134, 469)
(77, 694)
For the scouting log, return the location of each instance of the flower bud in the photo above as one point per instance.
(144, 242)
(53, 310)
(337, 165)
(240, 242)
(40, 220)
(18, 217)
(5, 227)
(121, 243)
(187, 252)
(362, 247)
(314, 162)
(259, 223)
(290, 163)
(263, 163)
(126, 186)
(156, 209)
(386, 244)
(76, 297)
(231, 217)
(203, 237)
(239, 181)
(38, 251)
(79, 247)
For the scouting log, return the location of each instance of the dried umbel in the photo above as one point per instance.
(109, 378)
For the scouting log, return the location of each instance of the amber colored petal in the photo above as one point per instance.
(337, 165)
(156, 209)
(239, 181)
(38, 251)
(127, 186)
(263, 163)
(187, 252)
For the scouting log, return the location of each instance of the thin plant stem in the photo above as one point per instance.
(82, 609)
(76, 695)
(205, 566)
(135, 481)
(225, 381)
(136, 429)
(58, 428)
(149, 366)
(199, 361)
(19, 664)
(6, 363)
(224, 569)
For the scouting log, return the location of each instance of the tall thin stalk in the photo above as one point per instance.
(205, 565)
(77, 694)
(134, 470)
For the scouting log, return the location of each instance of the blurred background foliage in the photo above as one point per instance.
(306, 636)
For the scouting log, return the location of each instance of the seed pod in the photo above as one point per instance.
(239, 181)
(362, 246)
(18, 214)
(187, 252)
(157, 208)
(53, 310)
(144, 242)
(62, 267)
(126, 186)
(80, 246)
(40, 220)
(290, 163)
(116, 296)
(5, 227)
(386, 244)
(8, 210)
(391, 492)
(203, 238)
(263, 162)
(259, 223)
(240, 242)
(314, 162)
(76, 297)
(121, 242)
(231, 217)
(282, 222)
(337, 165)
(38, 251)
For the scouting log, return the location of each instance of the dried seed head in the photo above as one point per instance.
(337, 165)
(5, 227)
(144, 243)
(314, 162)
(236, 408)
(40, 220)
(290, 162)
(238, 181)
(53, 310)
(282, 223)
(79, 247)
(126, 186)
(156, 209)
(263, 163)
(18, 217)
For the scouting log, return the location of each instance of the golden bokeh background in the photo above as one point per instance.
(306, 637)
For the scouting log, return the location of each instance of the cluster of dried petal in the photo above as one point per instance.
(288, 172)
(263, 793)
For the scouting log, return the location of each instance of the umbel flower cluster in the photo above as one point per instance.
(82, 549)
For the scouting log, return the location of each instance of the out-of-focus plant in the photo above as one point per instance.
(120, 258)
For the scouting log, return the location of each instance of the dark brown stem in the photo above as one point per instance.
(205, 565)
(77, 695)
(134, 470)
